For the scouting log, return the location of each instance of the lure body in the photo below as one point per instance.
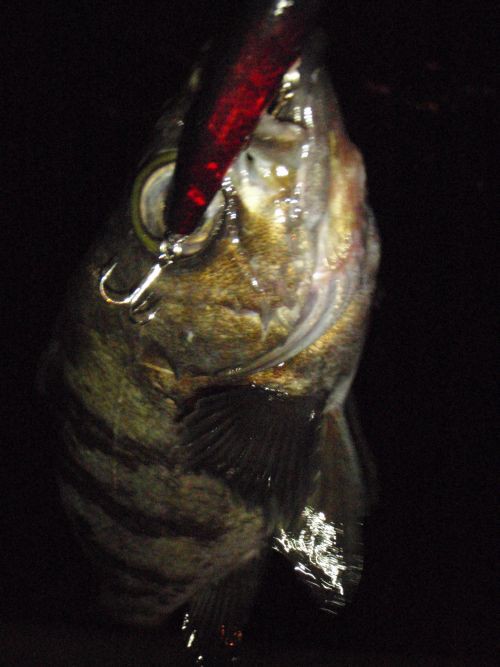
(217, 430)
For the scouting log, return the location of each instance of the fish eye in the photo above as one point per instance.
(147, 206)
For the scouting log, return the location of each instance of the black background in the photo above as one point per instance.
(83, 84)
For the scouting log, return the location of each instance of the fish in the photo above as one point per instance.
(208, 420)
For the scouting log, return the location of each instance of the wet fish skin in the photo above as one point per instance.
(160, 527)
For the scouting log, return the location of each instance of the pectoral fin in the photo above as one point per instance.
(326, 547)
(262, 443)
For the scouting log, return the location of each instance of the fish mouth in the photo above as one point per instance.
(327, 186)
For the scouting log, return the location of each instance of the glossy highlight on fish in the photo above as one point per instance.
(211, 423)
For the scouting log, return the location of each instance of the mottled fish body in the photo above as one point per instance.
(215, 430)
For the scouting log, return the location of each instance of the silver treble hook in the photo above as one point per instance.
(136, 300)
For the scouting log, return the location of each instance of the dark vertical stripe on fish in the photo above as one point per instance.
(111, 563)
(129, 517)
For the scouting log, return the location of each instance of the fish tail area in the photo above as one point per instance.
(127, 592)
(131, 606)
(213, 626)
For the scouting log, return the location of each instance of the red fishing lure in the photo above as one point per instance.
(229, 104)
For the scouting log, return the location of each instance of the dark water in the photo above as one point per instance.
(83, 85)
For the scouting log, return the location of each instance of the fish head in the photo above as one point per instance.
(281, 250)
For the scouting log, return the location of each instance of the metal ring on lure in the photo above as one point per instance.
(289, 84)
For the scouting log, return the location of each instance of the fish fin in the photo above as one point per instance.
(366, 462)
(263, 444)
(326, 546)
(213, 626)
